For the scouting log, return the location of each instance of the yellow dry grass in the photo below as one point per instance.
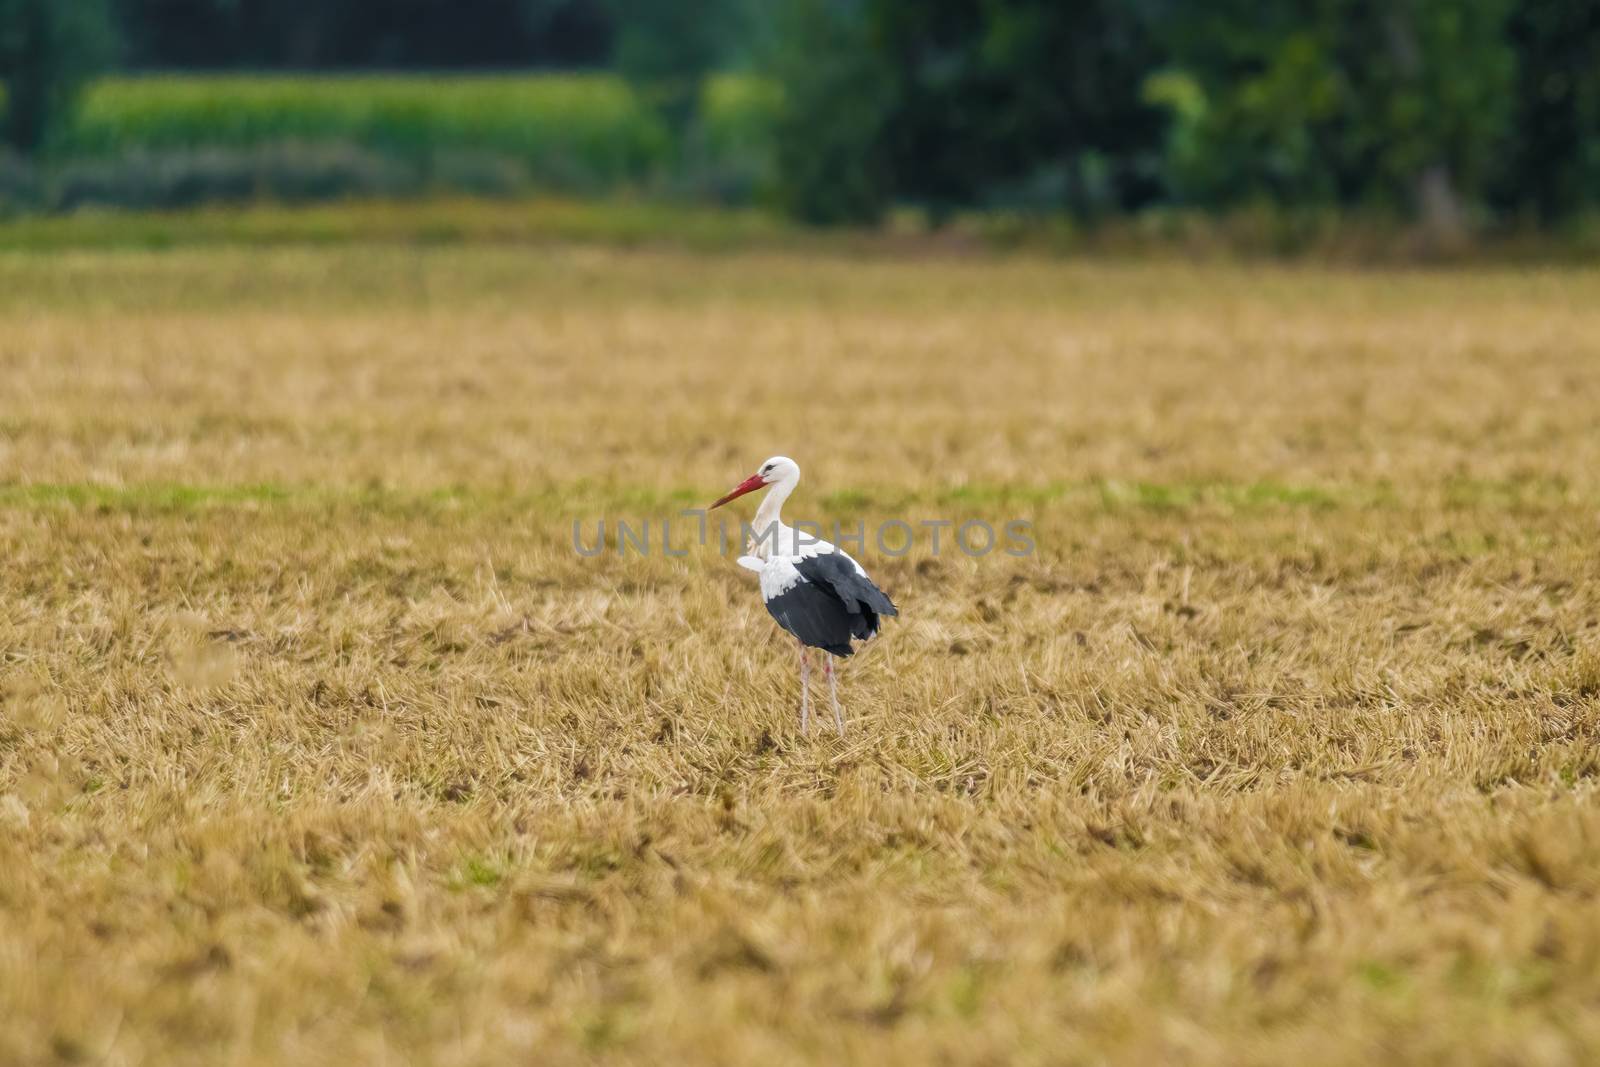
(319, 743)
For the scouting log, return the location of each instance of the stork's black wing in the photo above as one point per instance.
(832, 603)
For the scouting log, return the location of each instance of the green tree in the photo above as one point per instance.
(949, 103)
(668, 47)
(1401, 103)
(1551, 168)
(838, 97)
(1439, 102)
(48, 48)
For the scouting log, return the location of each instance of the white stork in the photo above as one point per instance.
(813, 588)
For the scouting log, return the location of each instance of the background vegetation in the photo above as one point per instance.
(492, 134)
(1450, 114)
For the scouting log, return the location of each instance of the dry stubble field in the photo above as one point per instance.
(320, 744)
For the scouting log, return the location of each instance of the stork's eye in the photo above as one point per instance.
(767, 469)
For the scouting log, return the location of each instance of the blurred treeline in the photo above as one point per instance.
(1450, 113)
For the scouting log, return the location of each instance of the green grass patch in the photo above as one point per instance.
(622, 223)
(592, 500)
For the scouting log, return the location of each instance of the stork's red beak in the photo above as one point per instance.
(749, 485)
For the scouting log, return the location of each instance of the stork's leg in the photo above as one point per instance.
(833, 694)
(805, 691)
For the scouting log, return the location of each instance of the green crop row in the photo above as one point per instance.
(579, 132)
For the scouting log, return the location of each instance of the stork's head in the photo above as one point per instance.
(777, 469)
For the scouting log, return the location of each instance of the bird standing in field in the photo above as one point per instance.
(813, 588)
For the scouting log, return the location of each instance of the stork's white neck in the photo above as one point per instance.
(772, 503)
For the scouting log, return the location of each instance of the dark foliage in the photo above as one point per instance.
(668, 49)
(47, 49)
(1552, 163)
(1445, 111)
(958, 102)
(362, 34)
